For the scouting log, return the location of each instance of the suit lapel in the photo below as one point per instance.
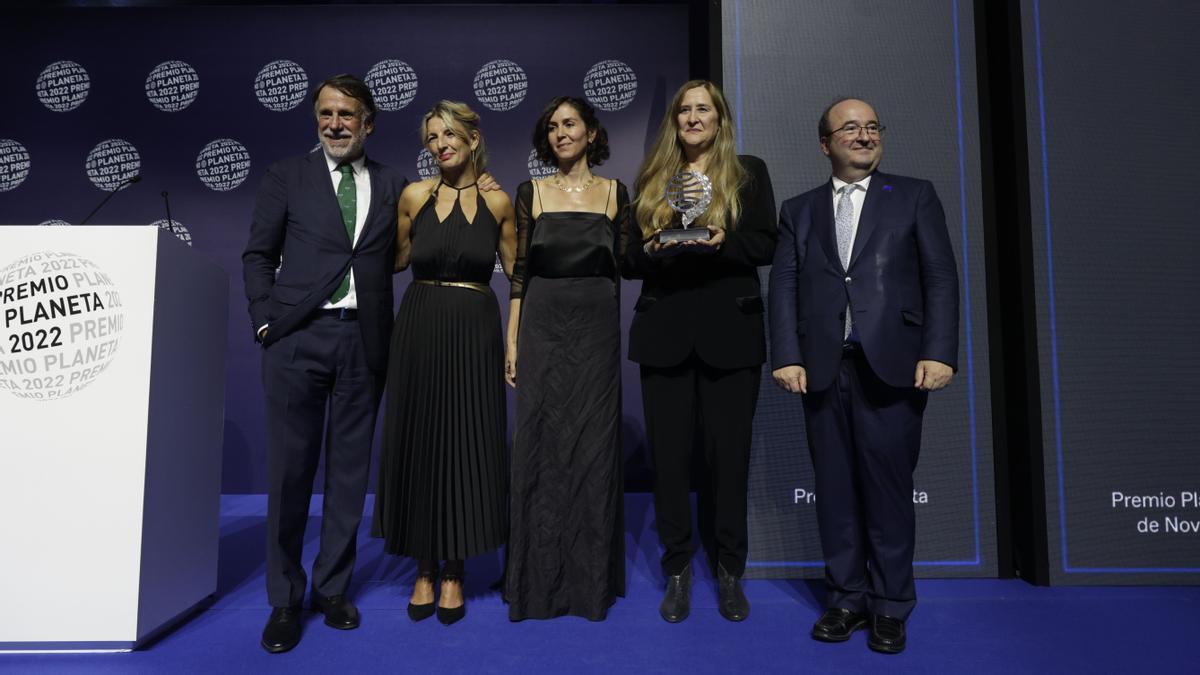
(823, 224)
(872, 203)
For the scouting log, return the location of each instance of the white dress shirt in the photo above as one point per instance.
(362, 188)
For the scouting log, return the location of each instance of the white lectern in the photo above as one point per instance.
(112, 389)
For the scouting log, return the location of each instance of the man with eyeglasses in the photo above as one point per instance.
(864, 324)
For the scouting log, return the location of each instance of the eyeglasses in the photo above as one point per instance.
(873, 130)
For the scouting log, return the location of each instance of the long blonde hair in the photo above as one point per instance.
(666, 159)
(462, 120)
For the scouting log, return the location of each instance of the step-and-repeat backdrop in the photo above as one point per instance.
(199, 101)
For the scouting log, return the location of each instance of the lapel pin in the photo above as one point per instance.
(887, 188)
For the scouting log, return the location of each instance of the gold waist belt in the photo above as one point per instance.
(474, 286)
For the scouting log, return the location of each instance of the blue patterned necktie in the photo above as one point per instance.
(347, 196)
(843, 222)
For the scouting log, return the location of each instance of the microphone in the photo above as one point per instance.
(167, 204)
(128, 181)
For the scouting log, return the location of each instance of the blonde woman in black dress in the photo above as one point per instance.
(442, 471)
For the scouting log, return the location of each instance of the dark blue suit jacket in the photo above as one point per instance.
(902, 283)
(299, 252)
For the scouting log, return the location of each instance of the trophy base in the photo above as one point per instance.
(680, 235)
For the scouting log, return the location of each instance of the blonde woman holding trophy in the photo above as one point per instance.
(697, 333)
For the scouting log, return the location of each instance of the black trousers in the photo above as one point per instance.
(320, 368)
(682, 403)
(865, 436)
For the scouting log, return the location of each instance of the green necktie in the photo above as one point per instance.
(347, 197)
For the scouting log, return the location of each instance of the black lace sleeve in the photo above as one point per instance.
(621, 245)
(524, 214)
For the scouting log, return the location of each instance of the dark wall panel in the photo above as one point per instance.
(784, 62)
(1112, 108)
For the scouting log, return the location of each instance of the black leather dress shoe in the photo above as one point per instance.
(732, 602)
(677, 601)
(282, 631)
(339, 612)
(887, 634)
(837, 625)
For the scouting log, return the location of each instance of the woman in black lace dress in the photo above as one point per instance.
(442, 472)
(565, 552)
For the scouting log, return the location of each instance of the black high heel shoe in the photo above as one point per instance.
(423, 611)
(449, 615)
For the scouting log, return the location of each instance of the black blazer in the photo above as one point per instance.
(708, 304)
(902, 283)
(298, 251)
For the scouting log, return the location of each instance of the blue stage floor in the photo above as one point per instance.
(959, 626)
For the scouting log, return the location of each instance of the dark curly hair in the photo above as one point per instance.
(597, 150)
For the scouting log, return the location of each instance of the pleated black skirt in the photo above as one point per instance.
(442, 470)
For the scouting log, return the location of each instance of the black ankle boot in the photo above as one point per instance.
(677, 601)
(732, 602)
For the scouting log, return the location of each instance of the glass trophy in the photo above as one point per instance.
(689, 193)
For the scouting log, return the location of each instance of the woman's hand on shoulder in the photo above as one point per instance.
(498, 202)
(487, 182)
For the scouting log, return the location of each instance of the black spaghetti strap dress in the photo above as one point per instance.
(566, 545)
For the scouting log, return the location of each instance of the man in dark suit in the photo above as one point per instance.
(318, 274)
(864, 324)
